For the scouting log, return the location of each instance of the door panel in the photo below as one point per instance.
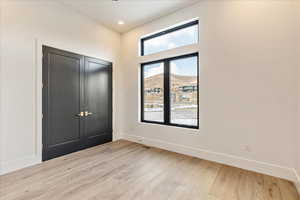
(73, 84)
(62, 80)
(64, 99)
(98, 87)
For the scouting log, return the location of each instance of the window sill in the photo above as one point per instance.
(170, 125)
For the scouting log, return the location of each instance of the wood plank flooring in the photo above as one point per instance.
(124, 170)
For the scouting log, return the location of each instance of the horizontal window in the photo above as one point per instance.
(170, 91)
(176, 37)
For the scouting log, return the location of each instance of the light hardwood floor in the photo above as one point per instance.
(124, 170)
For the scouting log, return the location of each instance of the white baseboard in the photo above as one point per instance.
(297, 181)
(13, 165)
(251, 165)
(116, 136)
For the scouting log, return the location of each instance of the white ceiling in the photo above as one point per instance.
(133, 12)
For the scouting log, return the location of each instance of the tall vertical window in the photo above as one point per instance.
(170, 86)
(170, 91)
(184, 91)
(153, 92)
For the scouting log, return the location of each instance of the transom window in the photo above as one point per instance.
(183, 35)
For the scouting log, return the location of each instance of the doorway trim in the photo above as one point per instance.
(39, 43)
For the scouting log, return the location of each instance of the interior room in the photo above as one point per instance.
(150, 99)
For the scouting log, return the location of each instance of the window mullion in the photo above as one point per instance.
(167, 92)
(142, 92)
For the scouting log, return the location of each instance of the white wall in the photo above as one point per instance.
(1, 25)
(297, 133)
(23, 23)
(247, 86)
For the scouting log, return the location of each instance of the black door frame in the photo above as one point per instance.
(82, 104)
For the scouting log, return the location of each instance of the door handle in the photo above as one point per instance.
(87, 113)
(81, 114)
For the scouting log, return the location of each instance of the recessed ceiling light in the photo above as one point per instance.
(120, 22)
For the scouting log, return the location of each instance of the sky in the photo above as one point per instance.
(172, 40)
(184, 67)
(153, 69)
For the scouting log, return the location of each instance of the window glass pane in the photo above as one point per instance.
(184, 93)
(181, 37)
(154, 92)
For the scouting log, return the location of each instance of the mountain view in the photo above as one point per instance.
(183, 98)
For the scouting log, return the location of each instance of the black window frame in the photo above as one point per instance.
(167, 103)
(192, 23)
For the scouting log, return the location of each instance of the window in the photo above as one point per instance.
(184, 91)
(170, 91)
(177, 37)
(170, 87)
(154, 92)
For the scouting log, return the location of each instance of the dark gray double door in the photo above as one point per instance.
(77, 102)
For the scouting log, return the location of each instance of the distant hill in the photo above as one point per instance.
(176, 80)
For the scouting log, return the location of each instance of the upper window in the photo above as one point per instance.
(176, 37)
